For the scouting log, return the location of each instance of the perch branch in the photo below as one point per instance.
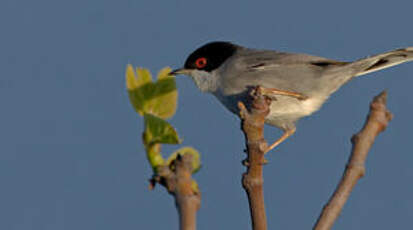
(376, 122)
(252, 124)
(179, 183)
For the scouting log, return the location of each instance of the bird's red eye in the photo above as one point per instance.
(201, 62)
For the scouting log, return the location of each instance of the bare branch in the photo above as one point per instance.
(376, 122)
(252, 124)
(179, 183)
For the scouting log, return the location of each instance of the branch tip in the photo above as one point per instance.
(377, 120)
(381, 98)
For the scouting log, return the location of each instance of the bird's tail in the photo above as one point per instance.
(382, 61)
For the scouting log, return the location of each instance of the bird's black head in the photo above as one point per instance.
(210, 56)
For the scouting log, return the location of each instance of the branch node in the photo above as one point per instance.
(355, 138)
(377, 120)
(359, 166)
(263, 146)
(250, 182)
(245, 163)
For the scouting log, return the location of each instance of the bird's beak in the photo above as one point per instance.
(180, 71)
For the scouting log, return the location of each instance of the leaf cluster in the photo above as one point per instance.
(156, 101)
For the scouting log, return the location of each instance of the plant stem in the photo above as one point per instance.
(252, 124)
(177, 179)
(187, 206)
(376, 122)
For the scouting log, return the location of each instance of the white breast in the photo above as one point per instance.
(287, 106)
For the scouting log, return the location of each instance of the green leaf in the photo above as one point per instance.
(139, 86)
(158, 98)
(160, 131)
(145, 84)
(164, 99)
(196, 162)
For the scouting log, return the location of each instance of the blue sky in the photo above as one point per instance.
(70, 149)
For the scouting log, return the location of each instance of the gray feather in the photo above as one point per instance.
(382, 61)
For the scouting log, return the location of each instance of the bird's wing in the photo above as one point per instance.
(258, 60)
(285, 71)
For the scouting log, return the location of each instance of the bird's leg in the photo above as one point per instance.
(285, 135)
(272, 91)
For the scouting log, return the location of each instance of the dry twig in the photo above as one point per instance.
(376, 122)
(178, 181)
(252, 124)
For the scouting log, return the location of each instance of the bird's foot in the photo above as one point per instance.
(286, 134)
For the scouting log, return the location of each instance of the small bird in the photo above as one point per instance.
(300, 82)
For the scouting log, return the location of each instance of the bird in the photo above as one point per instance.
(302, 83)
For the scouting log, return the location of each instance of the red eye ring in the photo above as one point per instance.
(201, 62)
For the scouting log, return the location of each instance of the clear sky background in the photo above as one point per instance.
(70, 149)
